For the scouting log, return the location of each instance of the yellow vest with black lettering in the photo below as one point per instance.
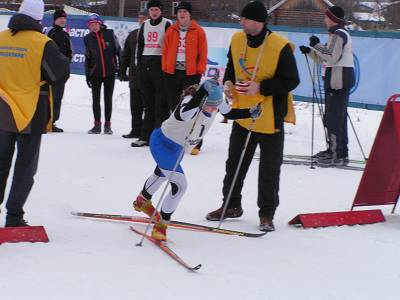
(20, 68)
(244, 61)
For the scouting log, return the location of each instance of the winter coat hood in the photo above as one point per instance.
(21, 22)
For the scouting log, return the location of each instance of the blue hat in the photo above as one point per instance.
(94, 18)
(214, 90)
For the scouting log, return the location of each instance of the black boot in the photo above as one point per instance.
(15, 221)
(107, 128)
(230, 213)
(140, 143)
(96, 128)
(131, 135)
(323, 153)
(54, 128)
(266, 224)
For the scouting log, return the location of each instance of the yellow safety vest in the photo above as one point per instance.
(244, 61)
(20, 68)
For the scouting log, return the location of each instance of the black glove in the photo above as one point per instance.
(123, 77)
(305, 49)
(89, 81)
(314, 40)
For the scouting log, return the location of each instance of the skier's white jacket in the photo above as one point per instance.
(189, 111)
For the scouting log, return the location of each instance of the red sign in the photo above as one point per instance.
(380, 183)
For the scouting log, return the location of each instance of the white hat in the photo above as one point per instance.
(32, 8)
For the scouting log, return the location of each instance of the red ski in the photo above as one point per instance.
(163, 246)
(173, 223)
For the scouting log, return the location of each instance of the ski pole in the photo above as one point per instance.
(171, 174)
(316, 96)
(228, 198)
(358, 140)
(312, 133)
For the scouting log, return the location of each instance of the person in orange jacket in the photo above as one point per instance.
(184, 57)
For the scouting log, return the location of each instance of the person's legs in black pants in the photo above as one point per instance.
(7, 147)
(236, 144)
(109, 83)
(336, 116)
(58, 93)
(96, 94)
(345, 137)
(271, 157)
(136, 110)
(149, 105)
(26, 164)
(162, 111)
(173, 87)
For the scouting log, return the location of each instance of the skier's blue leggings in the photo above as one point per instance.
(165, 151)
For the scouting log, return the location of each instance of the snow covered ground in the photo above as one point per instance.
(89, 259)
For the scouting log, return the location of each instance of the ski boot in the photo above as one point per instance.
(144, 205)
(159, 231)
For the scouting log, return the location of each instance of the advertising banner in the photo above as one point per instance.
(377, 63)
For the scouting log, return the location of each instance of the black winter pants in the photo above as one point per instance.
(155, 100)
(176, 83)
(108, 95)
(25, 168)
(271, 157)
(336, 102)
(58, 93)
(137, 108)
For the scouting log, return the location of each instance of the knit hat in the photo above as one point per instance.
(336, 14)
(32, 8)
(214, 91)
(184, 5)
(94, 18)
(59, 13)
(154, 3)
(255, 11)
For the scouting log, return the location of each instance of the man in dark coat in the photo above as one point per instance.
(63, 41)
(29, 62)
(129, 60)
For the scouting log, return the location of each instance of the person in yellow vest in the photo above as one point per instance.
(29, 62)
(261, 69)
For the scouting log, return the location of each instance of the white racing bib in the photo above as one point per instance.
(154, 37)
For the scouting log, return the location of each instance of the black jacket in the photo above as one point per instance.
(54, 69)
(62, 39)
(128, 58)
(285, 80)
(102, 53)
